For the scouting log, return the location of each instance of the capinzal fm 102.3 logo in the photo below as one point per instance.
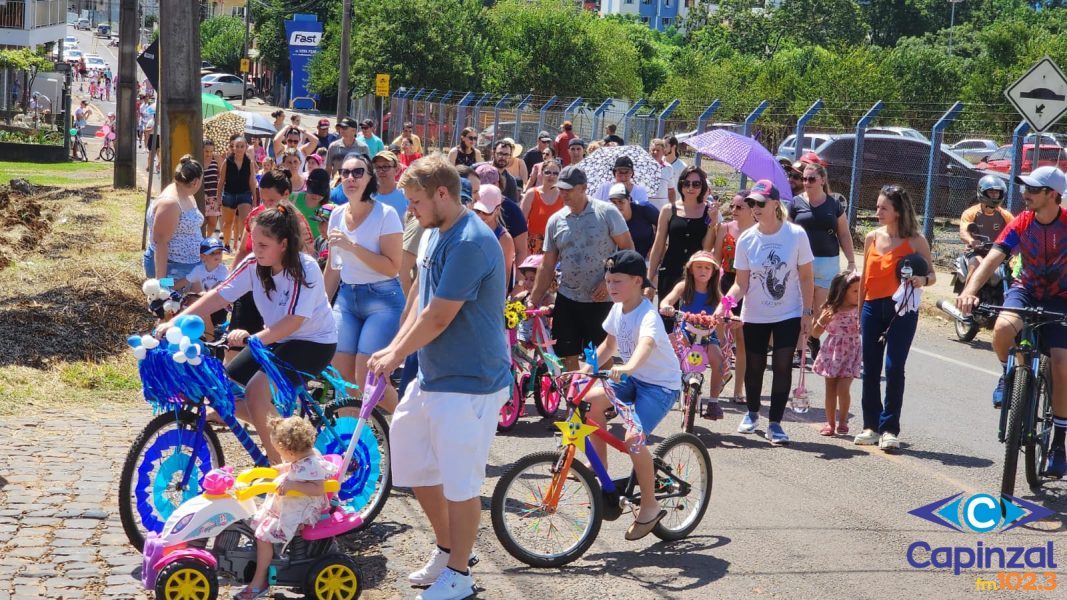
(981, 514)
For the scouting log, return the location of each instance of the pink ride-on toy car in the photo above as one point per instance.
(210, 534)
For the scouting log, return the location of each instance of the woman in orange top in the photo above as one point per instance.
(540, 203)
(885, 333)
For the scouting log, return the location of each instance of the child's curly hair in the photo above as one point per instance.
(292, 434)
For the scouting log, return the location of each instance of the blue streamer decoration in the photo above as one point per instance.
(169, 385)
(282, 392)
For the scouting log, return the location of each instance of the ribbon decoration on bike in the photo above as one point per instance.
(626, 412)
(168, 382)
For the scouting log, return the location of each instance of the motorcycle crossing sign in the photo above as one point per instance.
(1040, 95)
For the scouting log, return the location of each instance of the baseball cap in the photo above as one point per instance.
(367, 123)
(489, 198)
(618, 190)
(763, 190)
(577, 142)
(544, 136)
(787, 163)
(348, 122)
(324, 123)
(487, 174)
(623, 162)
(211, 244)
(532, 261)
(812, 159)
(318, 182)
(570, 177)
(386, 155)
(628, 262)
(1049, 177)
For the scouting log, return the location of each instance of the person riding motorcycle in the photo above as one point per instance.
(1039, 234)
(988, 215)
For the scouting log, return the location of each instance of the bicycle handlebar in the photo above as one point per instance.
(539, 312)
(1031, 314)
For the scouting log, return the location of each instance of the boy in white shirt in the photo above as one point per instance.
(652, 379)
(209, 273)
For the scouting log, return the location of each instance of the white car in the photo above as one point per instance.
(975, 149)
(93, 61)
(72, 55)
(224, 85)
(83, 24)
(70, 42)
(908, 132)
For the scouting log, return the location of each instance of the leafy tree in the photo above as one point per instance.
(28, 62)
(826, 23)
(222, 42)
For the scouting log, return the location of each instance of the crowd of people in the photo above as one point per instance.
(375, 258)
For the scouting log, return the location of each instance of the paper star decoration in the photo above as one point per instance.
(574, 431)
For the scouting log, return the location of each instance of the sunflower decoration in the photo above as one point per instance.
(514, 313)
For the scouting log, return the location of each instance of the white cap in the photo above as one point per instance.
(618, 190)
(1049, 177)
(489, 198)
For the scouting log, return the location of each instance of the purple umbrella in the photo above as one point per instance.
(744, 154)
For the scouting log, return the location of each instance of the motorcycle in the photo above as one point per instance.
(991, 293)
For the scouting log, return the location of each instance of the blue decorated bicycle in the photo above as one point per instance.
(182, 381)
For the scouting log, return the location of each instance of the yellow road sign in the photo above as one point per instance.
(381, 85)
(246, 65)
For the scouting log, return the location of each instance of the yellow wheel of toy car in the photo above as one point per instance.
(187, 580)
(334, 577)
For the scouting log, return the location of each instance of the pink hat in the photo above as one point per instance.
(489, 198)
(532, 261)
(487, 174)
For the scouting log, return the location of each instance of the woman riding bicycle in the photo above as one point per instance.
(288, 290)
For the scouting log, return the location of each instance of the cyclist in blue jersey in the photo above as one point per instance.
(1039, 234)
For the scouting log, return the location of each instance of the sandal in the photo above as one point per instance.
(738, 400)
(639, 530)
(827, 430)
(251, 593)
(842, 428)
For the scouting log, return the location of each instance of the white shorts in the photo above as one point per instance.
(442, 438)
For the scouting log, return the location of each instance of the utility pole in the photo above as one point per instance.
(952, 23)
(125, 175)
(342, 76)
(244, 74)
(179, 53)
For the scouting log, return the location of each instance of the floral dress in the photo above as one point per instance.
(280, 517)
(840, 355)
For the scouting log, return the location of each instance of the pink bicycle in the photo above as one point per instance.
(534, 369)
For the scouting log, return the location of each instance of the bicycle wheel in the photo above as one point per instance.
(690, 403)
(683, 485)
(1039, 428)
(368, 482)
(82, 152)
(534, 533)
(107, 153)
(148, 485)
(1020, 398)
(509, 413)
(546, 396)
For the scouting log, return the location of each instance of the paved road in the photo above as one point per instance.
(821, 518)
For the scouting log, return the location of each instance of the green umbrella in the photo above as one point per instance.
(213, 105)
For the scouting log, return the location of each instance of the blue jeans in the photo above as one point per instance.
(876, 317)
(367, 315)
(175, 270)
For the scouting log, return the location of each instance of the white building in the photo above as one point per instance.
(32, 23)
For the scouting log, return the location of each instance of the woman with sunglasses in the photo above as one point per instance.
(823, 217)
(366, 240)
(885, 333)
(774, 276)
(541, 202)
(726, 235)
(536, 173)
(465, 153)
(291, 164)
(685, 226)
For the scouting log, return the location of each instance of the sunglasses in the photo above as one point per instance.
(364, 127)
(292, 141)
(550, 173)
(1035, 189)
(809, 179)
(354, 173)
(691, 184)
(796, 176)
(471, 138)
(737, 206)
(753, 203)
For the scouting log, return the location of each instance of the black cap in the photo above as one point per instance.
(367, 123)
(570, 177)
(623, 162)
(919, 267)
(577, 142)
(348, 122)
(628, 262)
(318, 182)
(544, 136)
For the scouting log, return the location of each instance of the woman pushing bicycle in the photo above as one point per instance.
(649, 379)
(287, 287)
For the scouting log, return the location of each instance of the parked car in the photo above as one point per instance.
(73, 56)
(1053, 139)
(103, 31)
(974, 149)
(527, 134)
(811, 142)
(83, 23)
(93, 61)
(206, 66)
(70, 41)
(1048, 155)
(908, 132)
(901, 160)
(735, 127)
(224, 85)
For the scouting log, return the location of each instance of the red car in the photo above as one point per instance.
(1048, 156)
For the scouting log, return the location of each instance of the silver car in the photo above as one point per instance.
(975, 149)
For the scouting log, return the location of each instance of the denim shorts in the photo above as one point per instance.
(367, 315)
(651, 402)
(235, 200)
(175, 270)
(826, 267)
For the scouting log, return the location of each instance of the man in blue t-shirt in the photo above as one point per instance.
(385, 166)
(443, 427)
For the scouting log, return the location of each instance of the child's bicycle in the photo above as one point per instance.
(77, 146)
(547, 508)
(210, 534)
(692, 337)
(534, 368)
(107, 150)
(178, 447)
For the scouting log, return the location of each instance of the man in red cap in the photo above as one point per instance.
(563, 142)
(323, 133)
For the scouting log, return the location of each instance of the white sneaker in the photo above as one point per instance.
(434, 567)
(869, 437)
(889, 442)
(450, 585)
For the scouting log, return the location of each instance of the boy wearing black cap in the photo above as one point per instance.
(649, 379)
(624, 174)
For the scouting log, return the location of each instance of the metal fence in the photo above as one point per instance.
(867, 145)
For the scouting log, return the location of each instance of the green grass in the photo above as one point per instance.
(57, 174)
